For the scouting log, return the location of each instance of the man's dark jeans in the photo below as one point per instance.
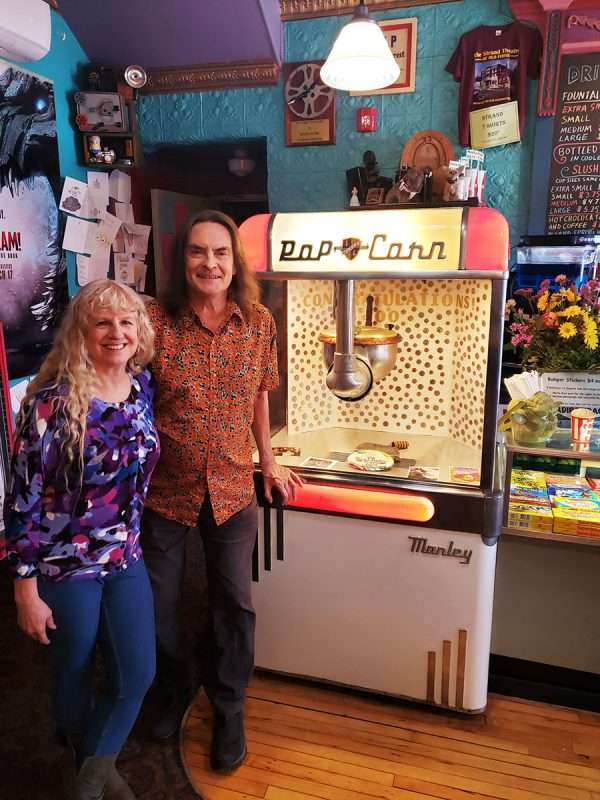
(229, 643)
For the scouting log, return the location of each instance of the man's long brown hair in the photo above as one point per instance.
(244, 289)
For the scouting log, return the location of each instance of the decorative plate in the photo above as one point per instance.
(370, 460)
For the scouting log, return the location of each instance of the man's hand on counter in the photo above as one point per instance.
(281, 478)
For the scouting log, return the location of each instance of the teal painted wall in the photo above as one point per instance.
(61, 65)
(313, 178)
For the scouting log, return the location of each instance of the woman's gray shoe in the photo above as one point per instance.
(93, 776)
(117, 787)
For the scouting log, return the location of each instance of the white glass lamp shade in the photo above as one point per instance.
(360, 59)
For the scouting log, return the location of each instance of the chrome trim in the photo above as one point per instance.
(492, 385)
(365, 480)
(458, 274)
(464, 220)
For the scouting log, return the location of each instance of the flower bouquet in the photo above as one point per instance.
(556, 331)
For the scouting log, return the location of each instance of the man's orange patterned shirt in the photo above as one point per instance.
(207, 385)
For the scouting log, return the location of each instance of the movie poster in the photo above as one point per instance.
(33, 275)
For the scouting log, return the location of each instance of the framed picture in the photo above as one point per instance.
(374, 197)
(307, 9)
(401, 35)
(309, 105)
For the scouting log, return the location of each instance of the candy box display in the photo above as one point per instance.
(526, 494)
(526, 516)
(577, 503)
(580, 523)
(528, 478)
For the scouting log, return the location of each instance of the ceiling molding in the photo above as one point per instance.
(305, 9)
(207, 77)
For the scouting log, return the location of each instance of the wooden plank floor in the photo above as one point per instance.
(307, 742)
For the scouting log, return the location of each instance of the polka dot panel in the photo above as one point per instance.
(441, 324)
(469, 365)
(311, 405)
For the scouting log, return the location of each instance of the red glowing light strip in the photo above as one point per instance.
(401, 506)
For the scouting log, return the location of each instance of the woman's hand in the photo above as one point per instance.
(33, 615)
(281, 478)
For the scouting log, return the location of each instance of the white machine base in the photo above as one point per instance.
(391, 608)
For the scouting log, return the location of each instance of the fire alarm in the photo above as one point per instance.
(366, 119)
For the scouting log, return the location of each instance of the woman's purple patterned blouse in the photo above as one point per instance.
(59, 527)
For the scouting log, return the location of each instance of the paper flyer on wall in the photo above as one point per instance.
(130, 270)
(92, 268)
(124, 268)
(107, 229)
(80, 235)
(97, 194)
(124, 211)
(119, 186)
(136, 239)
(118, 245)
(73, 199)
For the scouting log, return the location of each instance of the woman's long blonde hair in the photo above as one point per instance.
(68, 367)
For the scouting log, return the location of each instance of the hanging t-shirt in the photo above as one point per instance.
(492, 64)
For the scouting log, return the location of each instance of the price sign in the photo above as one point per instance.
(574, 188)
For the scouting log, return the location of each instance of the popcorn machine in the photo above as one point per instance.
(380, 575)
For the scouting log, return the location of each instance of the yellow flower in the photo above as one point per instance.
(567, 330)
(542, 301)
(555, 300)
(571, 311)
(569, 294)
(590, 334)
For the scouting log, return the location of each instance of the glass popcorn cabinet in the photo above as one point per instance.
(380, 573)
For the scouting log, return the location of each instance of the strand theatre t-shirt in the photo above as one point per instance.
(492, 64)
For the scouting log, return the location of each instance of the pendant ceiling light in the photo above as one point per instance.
(360, 59)
(241, 164)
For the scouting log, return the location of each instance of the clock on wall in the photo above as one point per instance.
(309, 105)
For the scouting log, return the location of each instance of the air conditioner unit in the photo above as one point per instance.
(24, 29)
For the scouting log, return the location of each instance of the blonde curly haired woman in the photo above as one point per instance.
(84, 452)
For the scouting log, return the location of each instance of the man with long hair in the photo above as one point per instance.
(215, 362)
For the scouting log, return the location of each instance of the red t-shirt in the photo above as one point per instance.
(492, 64)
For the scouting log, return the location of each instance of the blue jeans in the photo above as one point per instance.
(115, 613)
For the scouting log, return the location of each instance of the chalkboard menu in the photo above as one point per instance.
(574, 191)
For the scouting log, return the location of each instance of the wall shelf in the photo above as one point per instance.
(560, 446)
(125, 144)
(563, 538)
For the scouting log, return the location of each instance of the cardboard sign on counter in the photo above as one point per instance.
(573, 390)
